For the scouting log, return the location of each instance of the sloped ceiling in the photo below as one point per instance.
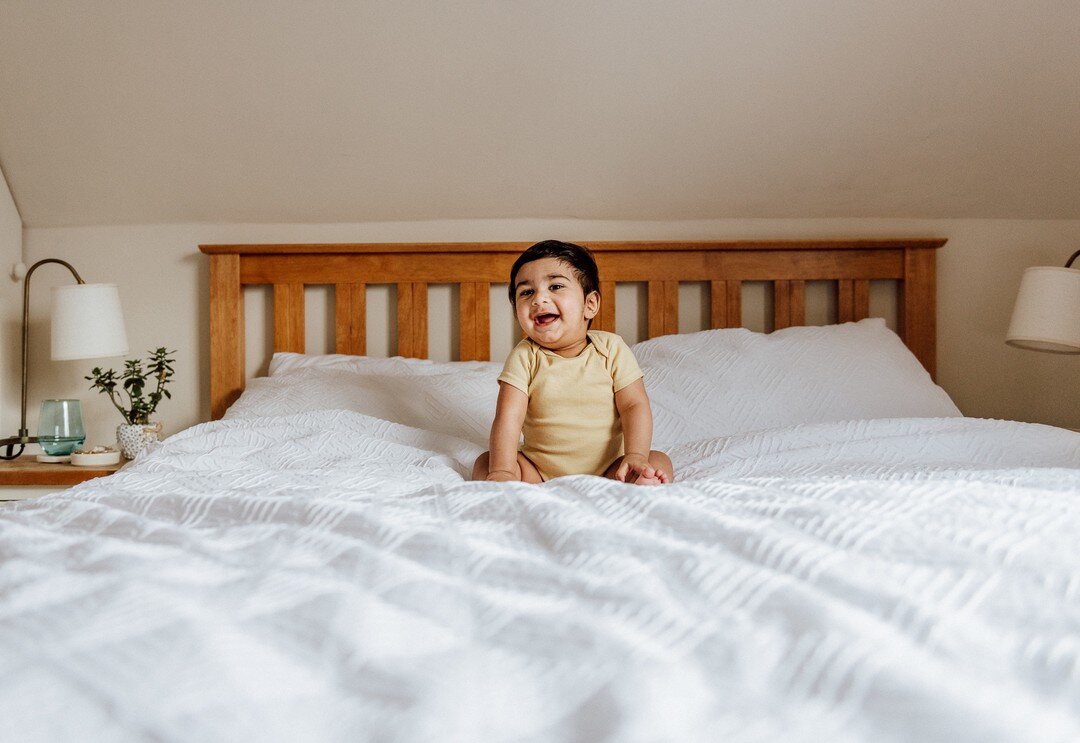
(139, 111)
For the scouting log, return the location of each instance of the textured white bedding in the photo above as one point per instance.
(329, 576)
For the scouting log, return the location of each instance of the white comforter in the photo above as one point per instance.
(329, 576)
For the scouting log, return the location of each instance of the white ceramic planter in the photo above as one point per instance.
(133, 438)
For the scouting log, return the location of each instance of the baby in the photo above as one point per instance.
(576, 394)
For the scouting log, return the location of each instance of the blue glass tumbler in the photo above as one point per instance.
(60, 427)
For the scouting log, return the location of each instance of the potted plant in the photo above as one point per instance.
(136, 432)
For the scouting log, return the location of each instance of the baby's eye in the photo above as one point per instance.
(556, 287)
(524, 293)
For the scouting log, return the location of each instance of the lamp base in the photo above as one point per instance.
(7, 446)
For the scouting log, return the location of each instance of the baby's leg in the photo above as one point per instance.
(658, 460)
(524, 469)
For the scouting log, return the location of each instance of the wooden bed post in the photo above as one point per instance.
(226, 333)
(918, 306)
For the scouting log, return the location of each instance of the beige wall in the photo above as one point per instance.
(163, 285)
(11, 309)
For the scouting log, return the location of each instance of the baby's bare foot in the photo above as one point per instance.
(659, 478)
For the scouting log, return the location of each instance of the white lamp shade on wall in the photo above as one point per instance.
(87, 322)
(1047, 312)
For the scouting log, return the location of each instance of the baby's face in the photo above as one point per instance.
(551, 306)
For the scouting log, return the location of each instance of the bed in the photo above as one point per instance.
(844, 557)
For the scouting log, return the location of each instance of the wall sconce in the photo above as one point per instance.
(1046, 316)
(87, 323)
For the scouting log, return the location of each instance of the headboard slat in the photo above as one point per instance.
(781, 305)
(845, 300)
(412, 319)
(289, 317)
(798, 302)
(725, 304)
(606, 319)
(350, 319)
(789, 303)
(474, 321)
(862, 299)
(663, 308)
(671, 307)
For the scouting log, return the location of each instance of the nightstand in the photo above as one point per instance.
(27, 471)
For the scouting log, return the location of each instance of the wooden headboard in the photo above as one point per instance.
(852, 264)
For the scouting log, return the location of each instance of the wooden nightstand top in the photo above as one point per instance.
(28, 471)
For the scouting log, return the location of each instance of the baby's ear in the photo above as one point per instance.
(592, 305)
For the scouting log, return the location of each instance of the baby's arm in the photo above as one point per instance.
(506, 432)
(636, 415)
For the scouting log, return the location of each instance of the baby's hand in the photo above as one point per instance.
(501, 476)
(635, 468)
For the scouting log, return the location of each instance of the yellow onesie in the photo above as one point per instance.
(571, 425)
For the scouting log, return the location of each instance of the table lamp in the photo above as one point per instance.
(1046, 316)
(87, 323)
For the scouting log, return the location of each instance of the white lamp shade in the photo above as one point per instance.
(87, 322)
(1047, 312)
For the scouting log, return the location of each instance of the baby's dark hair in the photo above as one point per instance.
(578, 257)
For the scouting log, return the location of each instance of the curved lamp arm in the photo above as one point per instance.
(24, 436)
(1073, 257)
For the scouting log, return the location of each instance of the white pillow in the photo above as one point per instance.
(724, 382)
(701, 385)
(460, 403)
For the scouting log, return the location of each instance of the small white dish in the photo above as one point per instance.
(95, 459)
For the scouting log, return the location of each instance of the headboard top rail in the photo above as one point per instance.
(598, 246)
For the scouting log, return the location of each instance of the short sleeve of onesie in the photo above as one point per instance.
(518, 369)
(624, 367)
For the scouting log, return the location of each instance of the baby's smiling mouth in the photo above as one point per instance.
(545, 319)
